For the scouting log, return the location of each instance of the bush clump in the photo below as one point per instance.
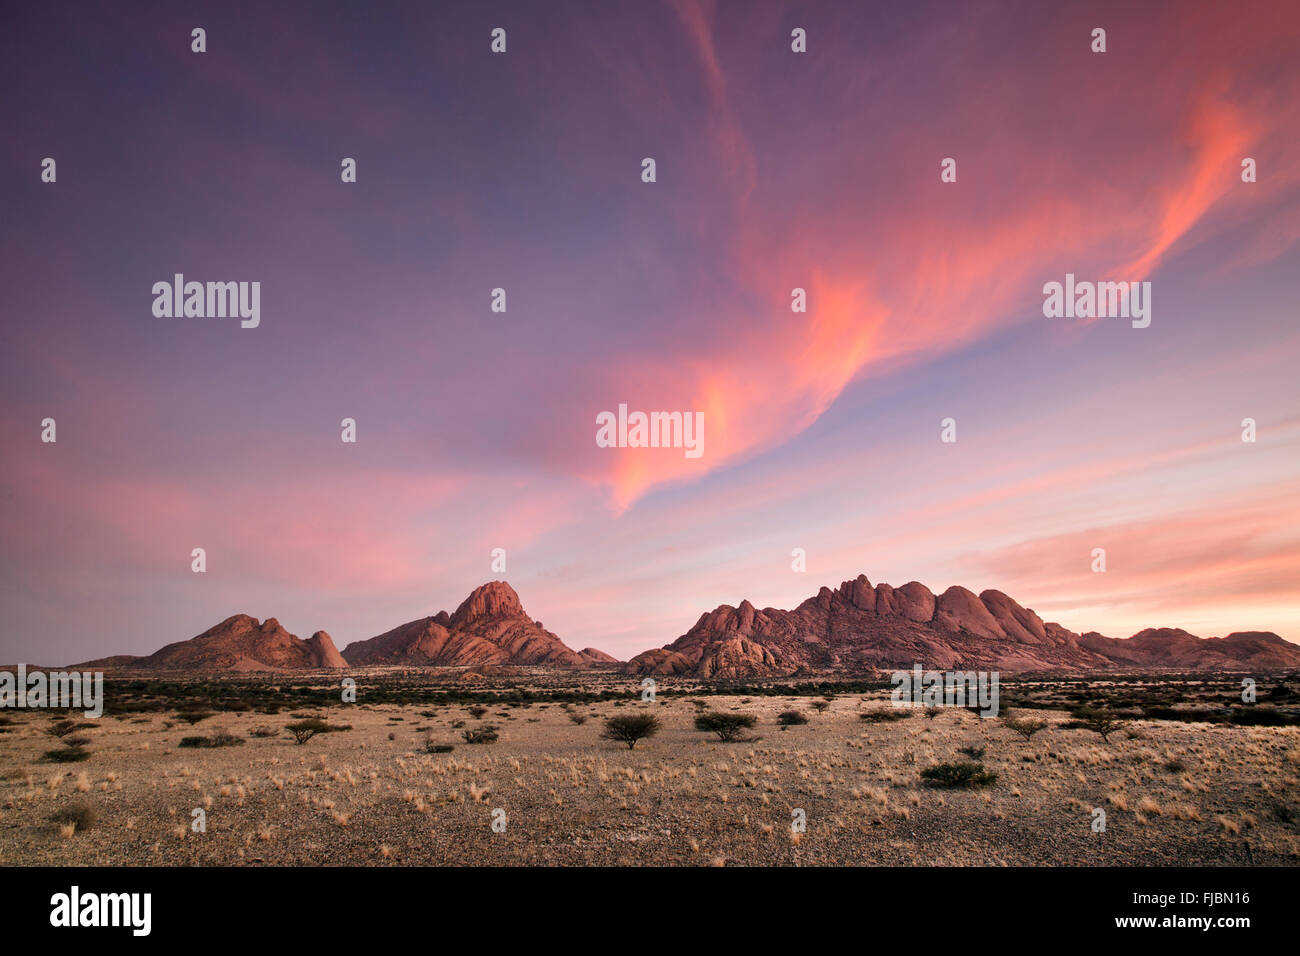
(958, 776)
(67, 755)
(487, 734)
(216, 740)
(884, 716)
(81, 815)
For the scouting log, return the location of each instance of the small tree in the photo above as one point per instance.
(630, 728)
(931, 713)
(577, 718)
(788, 718)
(305, 730)
(1025, 728)
(820, 705)
(1100, 720)
(726, 726)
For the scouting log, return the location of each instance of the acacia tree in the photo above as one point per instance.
(726, 726)
(1100, 720)
(630, 728)
(1025, 728)
(305, 730)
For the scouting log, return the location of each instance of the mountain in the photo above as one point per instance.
(858, 626)
(239, 643)
(489, 627)
(1168, 647)
(597, 658)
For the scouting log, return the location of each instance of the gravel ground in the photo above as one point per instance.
(1172, 793)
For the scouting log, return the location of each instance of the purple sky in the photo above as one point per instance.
(775, 170)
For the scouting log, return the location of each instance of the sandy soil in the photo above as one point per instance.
(373, 796)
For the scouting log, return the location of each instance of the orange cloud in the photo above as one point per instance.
(942, 270)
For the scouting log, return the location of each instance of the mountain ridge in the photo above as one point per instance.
(860, 626)
(852, 628)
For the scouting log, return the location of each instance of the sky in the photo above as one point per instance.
(522, 170)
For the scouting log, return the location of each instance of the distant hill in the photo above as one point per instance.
(239, 643)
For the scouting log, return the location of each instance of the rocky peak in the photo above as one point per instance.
(494, 599)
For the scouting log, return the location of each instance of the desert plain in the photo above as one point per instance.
(395, 782)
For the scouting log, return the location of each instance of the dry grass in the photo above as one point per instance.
(1174, 794)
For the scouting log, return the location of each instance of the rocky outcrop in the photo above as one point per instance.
(489, 628)
(857, 627)
(323, 646)
(239, 643)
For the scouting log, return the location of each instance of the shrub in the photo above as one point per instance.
(81, 815)
(63, 727)
(216, 740)
(487, 734)
(954, 776)
(884, 716)
(262, 732)
(577, 718)
(726, 726)
(67, 755)
(477, 711)
(431, 747)
(975, 753)
(789, 718)
(630, 728)
(192, 717)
